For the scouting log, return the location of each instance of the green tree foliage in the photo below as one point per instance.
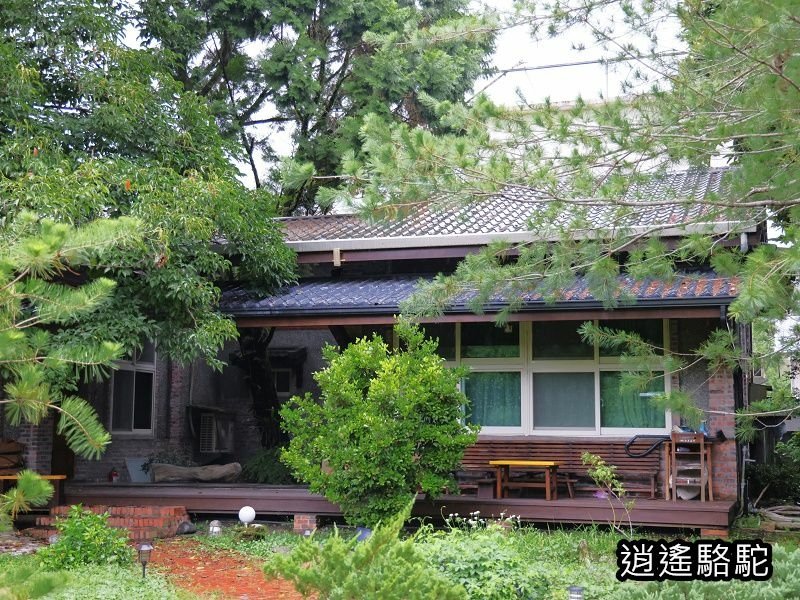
(733, 94)
(383, 567)
(93, 130)
(316, 68)
(388, 425)
(585, 157)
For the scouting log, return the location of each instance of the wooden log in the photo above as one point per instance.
(164, 473)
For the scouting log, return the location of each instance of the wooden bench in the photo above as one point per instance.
(10, 457)
(638, 475)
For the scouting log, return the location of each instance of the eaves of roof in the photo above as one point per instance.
(482, 239)
(383, 296)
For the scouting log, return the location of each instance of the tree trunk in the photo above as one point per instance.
(254, 361)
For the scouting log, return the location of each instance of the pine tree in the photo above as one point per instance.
(45, 286)
(733, 94)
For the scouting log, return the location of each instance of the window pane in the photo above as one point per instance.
(559, 339)
(650, 330)
(143, 401)
(563, 400)
(121, 418)
(283, 380)
(495, 399)
(485, 340)
(630, 409)
(446, 333)
(148, 353)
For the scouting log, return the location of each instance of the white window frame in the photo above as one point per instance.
(503, 365)
(134, 367)
(527, 366)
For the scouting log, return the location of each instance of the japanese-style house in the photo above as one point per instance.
(537, 390)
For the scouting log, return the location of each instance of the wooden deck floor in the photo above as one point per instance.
(289, 500)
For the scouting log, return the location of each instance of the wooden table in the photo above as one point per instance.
(58, 483)
(503, 469)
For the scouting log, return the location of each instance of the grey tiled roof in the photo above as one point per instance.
(384, 295)
(511, 212)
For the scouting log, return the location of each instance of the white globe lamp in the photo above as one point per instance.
(247, 515)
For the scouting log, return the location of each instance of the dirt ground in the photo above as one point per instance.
(217, 573)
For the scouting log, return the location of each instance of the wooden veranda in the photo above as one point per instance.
(293, 500)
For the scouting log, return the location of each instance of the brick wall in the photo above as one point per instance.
(140, 522)
(721, 398)
(126, 445)
(304, 522)
(713, 393)
(38, 441)
(179, 388)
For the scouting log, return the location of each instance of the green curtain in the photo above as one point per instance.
(494, 398)
(629, 409)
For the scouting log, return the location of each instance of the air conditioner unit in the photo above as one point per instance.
(216, 434)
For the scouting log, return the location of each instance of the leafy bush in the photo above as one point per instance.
(266, 467)
(387, 427)
(484, 561)
(790, 450)
(784, 583)
(780, 480)
(85, 538)
(383, 567)
(782, 477)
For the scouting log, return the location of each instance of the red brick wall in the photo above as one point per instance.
(304, 522)
(141, 522)
(721, 398)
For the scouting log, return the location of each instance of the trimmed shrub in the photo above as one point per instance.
(388, 426)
